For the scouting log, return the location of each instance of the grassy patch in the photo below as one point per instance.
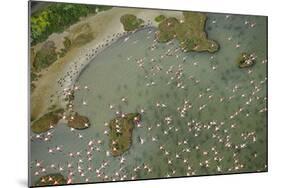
(190, 32)
(167, 29)
(160, 18)
(56, 17)
(80, 35)
(78, 122)
(246, 60)
(131, 22)
(51, 179)
(67, 45)
(45, 56)
(120, 135)
(47, 121)
(33, 76)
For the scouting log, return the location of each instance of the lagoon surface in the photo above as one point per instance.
(201, 113)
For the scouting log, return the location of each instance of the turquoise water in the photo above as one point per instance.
(223, 128)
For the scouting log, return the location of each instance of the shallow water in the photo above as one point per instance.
(197, 143)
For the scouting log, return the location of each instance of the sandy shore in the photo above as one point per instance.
(107, 29)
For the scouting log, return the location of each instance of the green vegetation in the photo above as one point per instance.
(56, 17)
(33, 76)
(131, 22)
(167, 29)
(47, 121)
(81, 35)
(67, 43)
(246, 60)
(50, 120)
(77, 121)
(45, 56)
(67, 46)
(32, 55)
(51, 179)
(160, 18)
(41, 59)
(120, 135)
(190, 32)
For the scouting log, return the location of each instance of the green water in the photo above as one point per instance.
(212, 140)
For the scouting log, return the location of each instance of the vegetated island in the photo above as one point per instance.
(160, 18)
(51, 179)
(77, 121)
(246, 60)
(189, 31)
(47, 121)
(51, 119)
(131, 22)
(120, 135)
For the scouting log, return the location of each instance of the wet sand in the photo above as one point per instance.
(105, 25)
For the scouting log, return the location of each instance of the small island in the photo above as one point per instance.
(47, 121)
(51, 179)
(160, 18)
(246, 60)
(120, 135)
(190, 32)
(51, 119)
(131, 22)
(77, 121)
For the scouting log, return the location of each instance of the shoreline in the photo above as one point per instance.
(108, 28)
(87, 59)
(124, 35)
